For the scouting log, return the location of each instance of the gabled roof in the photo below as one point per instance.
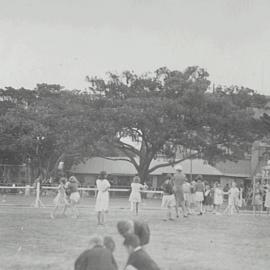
(240, 168)
(114, 166)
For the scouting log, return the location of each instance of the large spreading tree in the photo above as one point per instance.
(172, 112)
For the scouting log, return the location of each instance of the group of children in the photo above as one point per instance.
(99, 256)
(68, 196)
(199, 197)
(193, 197)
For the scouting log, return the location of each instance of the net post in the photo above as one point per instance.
(37, 203)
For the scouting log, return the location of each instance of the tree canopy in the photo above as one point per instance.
(172, 112)
(169, 113)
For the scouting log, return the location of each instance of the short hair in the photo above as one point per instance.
(136, 179)
(95, 240)
(124, 227)
(102, 175)
(109, 243)
(132, 240)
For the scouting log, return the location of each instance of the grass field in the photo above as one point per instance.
(30, 240)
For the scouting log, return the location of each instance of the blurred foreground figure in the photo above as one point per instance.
(138, 258)
(139, 228)
(96, 257)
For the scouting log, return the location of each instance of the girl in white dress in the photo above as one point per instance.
(233, 200)
(102, 200)
(61, 198)
(135, 195)
(218, 198)
(267, 198)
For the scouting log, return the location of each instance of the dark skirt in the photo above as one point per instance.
(208, 200)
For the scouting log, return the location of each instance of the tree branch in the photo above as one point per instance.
(122, 145)
(171, 163)
(130, 160)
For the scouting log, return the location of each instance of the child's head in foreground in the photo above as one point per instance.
(131, 242)
(109, 243)
(125, 227)
(95, 240)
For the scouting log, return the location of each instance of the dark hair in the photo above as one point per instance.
(102, 175)
(123, 227)
(109, 243)
(132, 240)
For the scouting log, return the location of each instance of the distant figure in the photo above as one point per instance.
(138, 258)
(61, 198)
(218, 198)
(74, 196)
(140, 228)
(96, 257)
(179, 179)
(208, 198)
(168, 199)
(135, 195)
(102, 200)
(258, 198)
(187, 195)
(193, 195)
(199, 191)
(225, 190)
(233, 200)
(267, 198)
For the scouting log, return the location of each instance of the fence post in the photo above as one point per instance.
(37, 195)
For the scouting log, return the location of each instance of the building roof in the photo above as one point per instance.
(114, 166)
(240, 168)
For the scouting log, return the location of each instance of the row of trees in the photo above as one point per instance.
(166, 112)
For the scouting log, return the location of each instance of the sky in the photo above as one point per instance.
(63, 41)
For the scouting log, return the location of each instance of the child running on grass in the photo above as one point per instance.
(61, 198)
(135, 195)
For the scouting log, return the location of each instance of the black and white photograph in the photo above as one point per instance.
(134, 134)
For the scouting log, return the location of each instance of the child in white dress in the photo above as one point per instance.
(233, 200)
(102, 200)
(218, 198)
(267, 198)
(135, 195)
(61, 197)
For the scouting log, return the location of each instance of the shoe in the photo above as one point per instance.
(165, 219)
(171, 219)
(185, 216)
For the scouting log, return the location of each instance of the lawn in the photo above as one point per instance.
(30, 240)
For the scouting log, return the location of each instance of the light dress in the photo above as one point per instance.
(135, 195)
(267, 197)
(61, 197)
(218, 196)
(102, 200)
(233, 196)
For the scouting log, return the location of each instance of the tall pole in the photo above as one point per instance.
(191, 170)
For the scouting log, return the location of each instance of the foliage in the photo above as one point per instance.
(173, 112)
